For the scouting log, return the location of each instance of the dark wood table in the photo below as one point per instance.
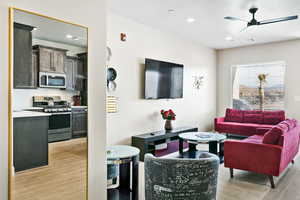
(195, 138)
(146, 142)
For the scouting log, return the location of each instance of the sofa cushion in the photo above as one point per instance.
(256, 118)
(273, 136)
(233, 115)
(273, 117)
(245, 129)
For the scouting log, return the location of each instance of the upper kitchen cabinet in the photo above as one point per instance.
(70, 69)
(76, 72)
(25, 73)
(82, 65)
(51, 59)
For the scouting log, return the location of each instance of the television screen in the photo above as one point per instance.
(163, 80)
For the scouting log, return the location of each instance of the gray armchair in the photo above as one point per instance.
(181, 179)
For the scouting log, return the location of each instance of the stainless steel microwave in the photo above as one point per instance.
(52, 80)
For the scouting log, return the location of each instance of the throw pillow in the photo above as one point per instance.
(273, 135)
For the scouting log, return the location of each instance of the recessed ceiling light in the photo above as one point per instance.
(171, 11)
(228, 38)
(190, 20)
(75, 38)
(35, 28)
(69, 36)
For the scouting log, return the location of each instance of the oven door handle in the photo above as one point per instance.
(61, 113)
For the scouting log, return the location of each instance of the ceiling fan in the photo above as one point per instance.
(254, 21)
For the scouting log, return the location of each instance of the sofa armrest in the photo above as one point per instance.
(217, 121)
(261, 131)
(259, 158)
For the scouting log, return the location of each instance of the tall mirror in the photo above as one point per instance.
(48, 135)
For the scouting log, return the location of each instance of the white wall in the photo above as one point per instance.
(282, 51)
(91, 13)
(136, 115)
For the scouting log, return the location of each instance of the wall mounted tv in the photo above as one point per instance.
(163, 80)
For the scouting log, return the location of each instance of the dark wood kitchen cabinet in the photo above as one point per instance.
(70, 69)
(76, 73)
(82, 65)
(30, 142)
(79, 122)
(51, 59)
(25, 73)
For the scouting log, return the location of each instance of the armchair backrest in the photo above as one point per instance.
(177, 178)
(290, 146)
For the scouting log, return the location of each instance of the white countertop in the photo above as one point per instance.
(78, 106)
(33, 108)
(20, 114)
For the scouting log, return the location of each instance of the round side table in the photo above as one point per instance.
(126, 157)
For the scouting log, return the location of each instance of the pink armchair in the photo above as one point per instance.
(268, 153)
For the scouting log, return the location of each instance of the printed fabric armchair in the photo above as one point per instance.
(180, 179)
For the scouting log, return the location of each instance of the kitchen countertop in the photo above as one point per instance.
(20, 114)
(33, 108)
(79, 107)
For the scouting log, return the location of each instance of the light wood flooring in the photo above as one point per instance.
(63, 179)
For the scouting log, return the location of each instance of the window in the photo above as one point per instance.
(247, 93)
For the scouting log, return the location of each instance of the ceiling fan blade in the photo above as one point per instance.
(282, 19)
(235, 19)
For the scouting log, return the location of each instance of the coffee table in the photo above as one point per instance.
(195, 138)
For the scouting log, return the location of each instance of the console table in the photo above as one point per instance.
(146, 142)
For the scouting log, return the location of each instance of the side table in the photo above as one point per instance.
(124, 155)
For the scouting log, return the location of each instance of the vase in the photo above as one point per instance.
(168, 125)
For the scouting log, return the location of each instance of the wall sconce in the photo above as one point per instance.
(198, 82)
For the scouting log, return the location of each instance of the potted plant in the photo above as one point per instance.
(168, 115)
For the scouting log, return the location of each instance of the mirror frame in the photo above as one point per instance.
(10, 89)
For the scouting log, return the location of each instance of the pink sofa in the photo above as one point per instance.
(246, 123)
(268, 153)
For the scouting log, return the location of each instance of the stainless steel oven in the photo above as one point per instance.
(60, 126)
(52, 80)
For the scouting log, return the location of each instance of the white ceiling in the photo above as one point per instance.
(52, 30)
(209, 27)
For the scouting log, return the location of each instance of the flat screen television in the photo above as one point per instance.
(163, 80)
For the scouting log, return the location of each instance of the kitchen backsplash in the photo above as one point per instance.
(22, 98)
